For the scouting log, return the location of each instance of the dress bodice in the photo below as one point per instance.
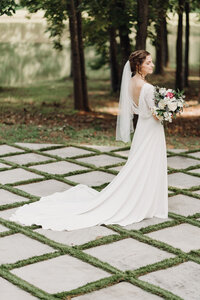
(146, 101)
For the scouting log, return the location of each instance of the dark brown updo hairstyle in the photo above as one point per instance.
(136, 59)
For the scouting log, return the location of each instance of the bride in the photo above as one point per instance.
(139, 190)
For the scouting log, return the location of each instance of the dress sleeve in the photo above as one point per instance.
(149, 96)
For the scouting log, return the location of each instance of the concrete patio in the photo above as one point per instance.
(153, 259)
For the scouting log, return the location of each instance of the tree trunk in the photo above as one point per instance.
(187, 34)
(125, 47)
(142, 9)
(125, 44)
(179, 48)
(71, 65)
(165, 43)
(78, 64)
(82, 58)
(159, 47)
(114, 69)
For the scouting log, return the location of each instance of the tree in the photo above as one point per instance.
(179, 47)
(78, 62)
(187, 34)
(7, 7)
(56, 13)
(158, 13)
(107, 28)
(165, 43)
(142, 22)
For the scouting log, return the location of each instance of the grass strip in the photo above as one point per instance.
(156, 290)
(184, 219)
(6, 233)
(159, 226)
(24, 285)
(92, 286)
(102, 241)
(31, 260)
(65, 249)
(145, 239)
(164, 264)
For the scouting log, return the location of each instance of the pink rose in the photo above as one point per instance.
(170, 95)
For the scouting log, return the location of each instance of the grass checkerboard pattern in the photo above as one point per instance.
(98, 258)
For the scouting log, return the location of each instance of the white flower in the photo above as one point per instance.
(169, 91)
(180, 104)
(162, 91)
(166, 114)
(166, 100)
(161, 104)
(172, 106)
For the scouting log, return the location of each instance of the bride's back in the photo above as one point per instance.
(135, 87)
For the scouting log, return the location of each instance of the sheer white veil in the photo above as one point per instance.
(125, 116)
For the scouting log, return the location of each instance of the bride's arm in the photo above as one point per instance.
(155, 118)
(149, 97)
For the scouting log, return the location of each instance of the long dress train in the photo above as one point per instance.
(139, 190)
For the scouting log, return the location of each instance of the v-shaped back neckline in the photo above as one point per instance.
(137, 105)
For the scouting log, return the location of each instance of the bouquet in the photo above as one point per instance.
(168, 103)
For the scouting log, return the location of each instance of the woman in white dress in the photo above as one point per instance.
(139, 190)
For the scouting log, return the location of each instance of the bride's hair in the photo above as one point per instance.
(136, 59)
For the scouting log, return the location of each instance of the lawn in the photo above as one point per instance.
(43, 112)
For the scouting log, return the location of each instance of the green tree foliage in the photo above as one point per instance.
(55, 12)
(101, 16)
(7, 7)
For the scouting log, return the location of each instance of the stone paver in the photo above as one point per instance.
(177, 150)
(123, 153)
(60, 274)
(26, 158)
(101, 160)
(7, 197)
(68, 152)
(184, 236)
(102, 148)
(145, 223)
(44, 188)
(3, 228)
(180, 280)
(76, 237)
(15, 175)
(6, 214)
(120, 291)
(116, 168)
(18, 246)
(93, 178)
(34, 146)
(196, 155)
(181, 180)
(4, 166)
(180, 162)
(5, 149)
(60, 167)
(195, 171)
(10, 291)
(65, 272)
(184, 205)
(134, 257)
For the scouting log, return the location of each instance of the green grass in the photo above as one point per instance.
(44, 112)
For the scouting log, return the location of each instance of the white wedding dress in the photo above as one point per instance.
(139, 191)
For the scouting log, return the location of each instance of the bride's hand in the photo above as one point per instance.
(155, 118)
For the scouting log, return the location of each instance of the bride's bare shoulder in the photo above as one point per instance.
(138, 83)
